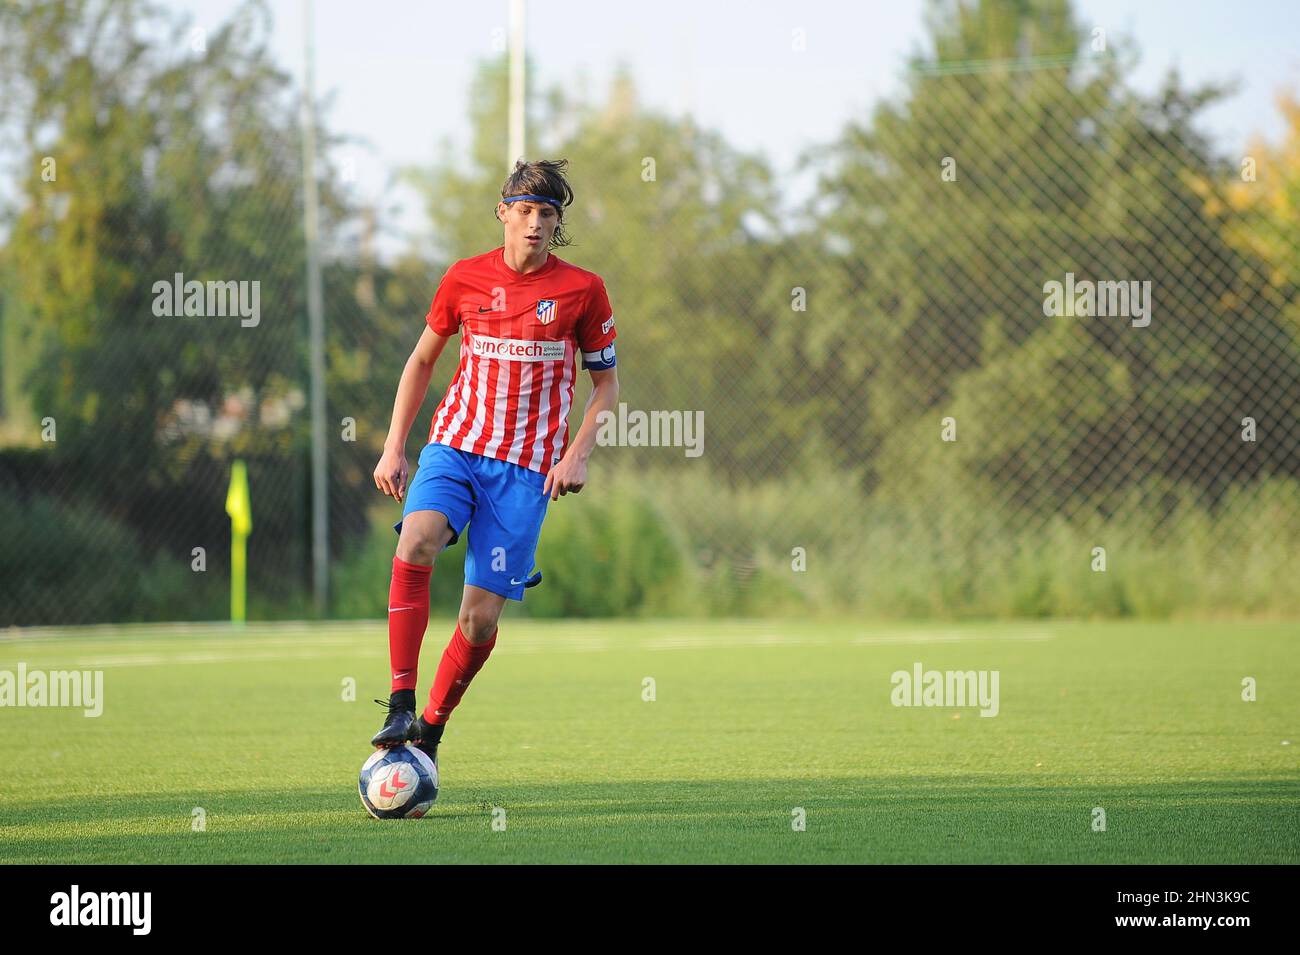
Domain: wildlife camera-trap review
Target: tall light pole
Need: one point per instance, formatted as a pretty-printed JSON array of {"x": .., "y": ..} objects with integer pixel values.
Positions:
[
  {"x": 316, "y": 329},
  {"x": 515, "y": 138}
]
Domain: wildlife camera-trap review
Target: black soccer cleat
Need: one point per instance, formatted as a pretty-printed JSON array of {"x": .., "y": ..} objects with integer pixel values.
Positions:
[
  {"x": 401, "y": 718},
  {"x": 426, "y": 736}
]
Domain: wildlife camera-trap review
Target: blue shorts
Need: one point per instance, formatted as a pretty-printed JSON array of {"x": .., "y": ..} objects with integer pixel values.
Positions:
[{"x": 502, "y": 503}]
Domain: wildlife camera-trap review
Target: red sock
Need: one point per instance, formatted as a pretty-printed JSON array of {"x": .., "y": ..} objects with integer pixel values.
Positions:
[
  {"x": 460, "y": 661},
  {"x": 408, "y": 615}
]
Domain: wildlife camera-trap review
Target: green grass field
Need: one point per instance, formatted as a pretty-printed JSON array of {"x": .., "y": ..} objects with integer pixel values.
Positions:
[{"x": 751, "y": 720}]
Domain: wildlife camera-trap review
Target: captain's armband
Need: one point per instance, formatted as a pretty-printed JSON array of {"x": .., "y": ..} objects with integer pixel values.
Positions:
[{"x": 600, "y": 360}]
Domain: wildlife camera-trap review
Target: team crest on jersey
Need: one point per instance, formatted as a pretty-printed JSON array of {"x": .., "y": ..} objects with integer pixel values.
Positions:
[{"x": 546, "y": 310}]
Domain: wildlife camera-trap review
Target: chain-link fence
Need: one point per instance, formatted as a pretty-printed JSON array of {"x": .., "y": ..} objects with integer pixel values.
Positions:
[{"x": 1030, "y": 347}]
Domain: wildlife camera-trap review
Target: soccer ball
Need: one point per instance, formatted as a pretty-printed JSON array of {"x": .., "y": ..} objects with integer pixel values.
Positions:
[{"x": 398, "y": 783}]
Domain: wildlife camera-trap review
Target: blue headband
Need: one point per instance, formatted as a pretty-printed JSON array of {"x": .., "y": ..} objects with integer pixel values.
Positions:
[{"x": 554, "y": 202}]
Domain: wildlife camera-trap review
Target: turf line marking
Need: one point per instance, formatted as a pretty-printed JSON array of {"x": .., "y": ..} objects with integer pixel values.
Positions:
[
  {"x": 950, "y": 636},
  {"x": 281, "y": 648}
]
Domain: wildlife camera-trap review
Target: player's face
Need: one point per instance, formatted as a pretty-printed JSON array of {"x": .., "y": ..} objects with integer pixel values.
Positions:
[{"x": 529, "y": 226}]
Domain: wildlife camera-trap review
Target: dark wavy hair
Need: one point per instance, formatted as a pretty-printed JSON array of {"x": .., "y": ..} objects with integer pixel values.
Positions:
[{"x": 542, "y": 177}]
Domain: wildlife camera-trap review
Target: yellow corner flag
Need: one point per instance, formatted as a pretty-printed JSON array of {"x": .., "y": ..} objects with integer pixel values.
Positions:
[{"x": 240, "y": 509}]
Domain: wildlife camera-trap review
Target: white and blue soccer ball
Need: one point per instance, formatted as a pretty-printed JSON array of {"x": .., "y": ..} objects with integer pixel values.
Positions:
[{"x": 398, "y": 783}]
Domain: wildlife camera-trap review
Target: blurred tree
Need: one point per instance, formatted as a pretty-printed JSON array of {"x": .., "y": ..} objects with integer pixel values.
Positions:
[
  {"x": 147, "y": 151},
  {"x": 1018, "y": 155}
]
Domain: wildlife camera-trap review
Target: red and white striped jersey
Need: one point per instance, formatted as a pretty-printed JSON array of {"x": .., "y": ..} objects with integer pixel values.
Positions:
[{"x": 520, "y": 339}]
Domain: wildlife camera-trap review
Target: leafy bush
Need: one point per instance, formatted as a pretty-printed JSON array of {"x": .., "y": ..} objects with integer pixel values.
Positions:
[{"x": 90, "y": 568}]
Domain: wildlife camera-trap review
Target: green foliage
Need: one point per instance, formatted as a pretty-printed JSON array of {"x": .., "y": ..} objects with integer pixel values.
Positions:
[
  {"x": 90, "y": 567},
  {"x": 171, "y": 160},
  {"x": 1058, "y": 166},
  {"x": 608, "y": 553},
  {"x": 823, "y": 345},
  {"x": 646, "y": 543}
]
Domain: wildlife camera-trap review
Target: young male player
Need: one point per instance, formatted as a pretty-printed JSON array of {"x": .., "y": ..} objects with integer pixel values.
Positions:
[{"x": 499, "y": 449}]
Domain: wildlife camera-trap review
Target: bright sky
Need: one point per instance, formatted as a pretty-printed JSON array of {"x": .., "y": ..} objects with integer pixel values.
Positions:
[{"x": 399, "y": 70}]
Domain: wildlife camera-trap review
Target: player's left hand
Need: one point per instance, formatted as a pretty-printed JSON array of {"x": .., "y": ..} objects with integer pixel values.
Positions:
[{"x": 569, "y": 475}]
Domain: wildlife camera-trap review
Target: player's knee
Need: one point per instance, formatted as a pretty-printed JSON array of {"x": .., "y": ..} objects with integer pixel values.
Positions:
[
  {"x": 424, "y": 536},
  {"x": 418, "y": 547},
  {"x": 477, "y": 624}
]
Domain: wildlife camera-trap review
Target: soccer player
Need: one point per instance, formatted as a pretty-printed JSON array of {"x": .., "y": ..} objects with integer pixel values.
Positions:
[{"x": 499, "y": 449}]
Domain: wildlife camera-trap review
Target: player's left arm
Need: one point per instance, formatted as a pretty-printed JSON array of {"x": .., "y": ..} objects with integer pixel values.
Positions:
[
  {"x": 595, "y": 334},
  {"x": 570, "y": 472}
]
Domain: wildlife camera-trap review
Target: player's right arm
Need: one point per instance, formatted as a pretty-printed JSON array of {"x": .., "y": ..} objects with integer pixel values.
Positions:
[{"x": 391, "y": 472}]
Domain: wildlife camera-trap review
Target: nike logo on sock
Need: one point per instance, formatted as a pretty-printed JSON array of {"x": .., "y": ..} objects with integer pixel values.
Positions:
[{"x": 395, "y": 609}]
